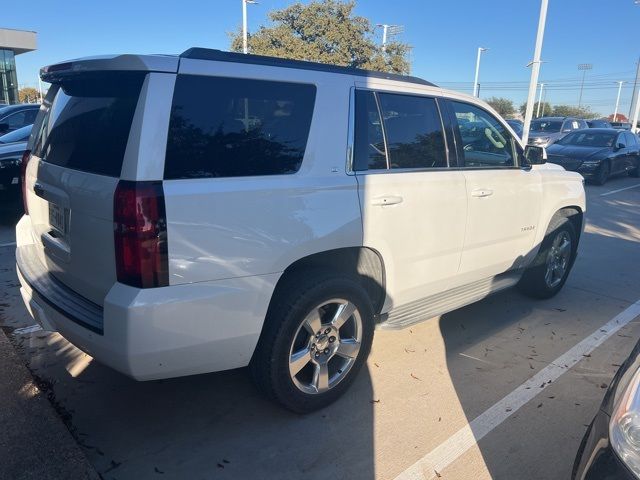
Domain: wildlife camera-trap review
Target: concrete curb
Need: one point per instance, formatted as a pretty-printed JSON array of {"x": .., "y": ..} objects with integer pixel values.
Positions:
[{"x": 34, "y": 442}]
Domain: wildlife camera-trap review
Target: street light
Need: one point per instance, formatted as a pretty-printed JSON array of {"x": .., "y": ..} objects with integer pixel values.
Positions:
[
  {"x": 475, "y": 82},
  {"x": 245, "y": 47},
  {"x": 615, "y": 112},
  {"x": 583, "y": 67},
  {"x": 389, "y": 31},
  {"x": 539, "y": 100},
  {"x": 535, "y": 71}
]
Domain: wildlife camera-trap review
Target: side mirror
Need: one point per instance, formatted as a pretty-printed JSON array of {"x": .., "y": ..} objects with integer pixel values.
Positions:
[
  {"x": 4, "y": 127},
  {"x": 619, "y": 146},
  {"x": 535, "y": 155}
]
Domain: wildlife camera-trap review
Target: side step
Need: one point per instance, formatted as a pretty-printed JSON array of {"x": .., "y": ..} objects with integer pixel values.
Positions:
[{"x": 441, "y": 303}]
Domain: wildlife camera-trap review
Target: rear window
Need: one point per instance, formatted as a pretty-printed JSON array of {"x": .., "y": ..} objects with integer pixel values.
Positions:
[
  {"x": 230, "y": 127},
  {"x": 86, "y": 125}
]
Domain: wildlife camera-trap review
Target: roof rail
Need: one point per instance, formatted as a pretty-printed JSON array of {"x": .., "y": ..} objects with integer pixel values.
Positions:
[{"x": 198, "y": 53}]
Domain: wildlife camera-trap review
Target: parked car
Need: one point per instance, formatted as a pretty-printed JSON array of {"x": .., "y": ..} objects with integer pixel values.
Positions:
[
  {"x": 12, "y": 148},
  {"x": 548, "y": 130},
  {"x": 13, "y": 117},
  {"x": 169, "y": 233},
  {"x": 598, "y": 123},
  {"x": 621, "y": 125},
  {"x": 609, "y": 448},
  {"x": 517, "y": 126},
  {"x": 597, "y": 153}
]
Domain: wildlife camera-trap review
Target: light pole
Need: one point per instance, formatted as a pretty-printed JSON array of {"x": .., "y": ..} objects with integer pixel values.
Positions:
[
  {"x": 584, "y": 67},
  {"x": 389, "y": 31},
  {"x": 535, "y": 71},
  {"x": 615, "y": 112},
  {"x": 634, "y": 123},
  {"x": 539, "y": 100},
  {"x": 475, "y": 82},
  {"x": 245, "y": 47}
]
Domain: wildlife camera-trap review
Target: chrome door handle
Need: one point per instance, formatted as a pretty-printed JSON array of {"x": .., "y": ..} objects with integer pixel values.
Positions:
[
  {"x": 481, "y": 192},
  {"x": 387, "y": 200}
]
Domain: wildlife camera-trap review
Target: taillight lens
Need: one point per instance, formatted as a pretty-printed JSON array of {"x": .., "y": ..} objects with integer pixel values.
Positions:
[
  {"x": 23, "y": 179},
  {"x": 140, "y": 234}
]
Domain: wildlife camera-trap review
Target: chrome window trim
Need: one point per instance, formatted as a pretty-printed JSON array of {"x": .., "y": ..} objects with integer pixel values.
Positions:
[
  {"x": 351, "y": 131},
  {"x": 384, "y": 129}
]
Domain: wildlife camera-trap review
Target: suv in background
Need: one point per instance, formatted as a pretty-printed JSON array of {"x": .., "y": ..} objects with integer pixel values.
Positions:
[
  {"x": 13, "y": 117},
  {"x": 547, "y": 130},
  {"x": 598, "y": 123},
  {"x": 621, "y": 125},
  {"x": 276, "y": 220}
]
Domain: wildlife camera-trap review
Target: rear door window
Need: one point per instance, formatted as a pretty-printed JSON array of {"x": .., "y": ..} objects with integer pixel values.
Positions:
[
  {"x": 232, "y": 127},
  {"x": 86, "y": 125}
]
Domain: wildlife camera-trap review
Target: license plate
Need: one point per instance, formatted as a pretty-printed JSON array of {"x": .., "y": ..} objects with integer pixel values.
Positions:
[{"x": 58, "y": 218}]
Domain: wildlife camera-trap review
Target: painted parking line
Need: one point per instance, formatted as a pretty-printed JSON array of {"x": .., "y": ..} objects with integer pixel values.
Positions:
[
  {"x": 619, "y": 190},
  {"x": 8, "y": 244},
  {"x": 455, "y": 446},
  {"x": 29, "y": 329}
]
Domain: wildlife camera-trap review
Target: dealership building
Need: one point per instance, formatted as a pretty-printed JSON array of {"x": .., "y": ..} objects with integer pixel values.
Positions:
[{"x": 12, "y": 43}]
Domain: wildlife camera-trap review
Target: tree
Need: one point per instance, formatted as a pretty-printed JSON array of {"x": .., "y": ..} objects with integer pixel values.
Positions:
[
  {"x": 325, "y": 31},
  {"x": 571, "y": 111},
  {"x": 28, "y": 95},
  {"x": 545, "y": 108},
  {"x": 619, "y": 118},
  {"x": 502, "y": 105}
]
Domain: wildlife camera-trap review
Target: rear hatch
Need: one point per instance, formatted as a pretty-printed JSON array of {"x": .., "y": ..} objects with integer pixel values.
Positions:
[{"x": 78, "y": 148}]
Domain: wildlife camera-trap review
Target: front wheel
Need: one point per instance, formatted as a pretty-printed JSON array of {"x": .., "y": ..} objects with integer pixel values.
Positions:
[
  {"x": 603, "y": 174},
  {"x": 548, "y": 272},
  {"x": 317, "y": 335}
]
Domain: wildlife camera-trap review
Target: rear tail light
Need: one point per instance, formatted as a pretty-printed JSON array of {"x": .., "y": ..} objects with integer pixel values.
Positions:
[
  {"x": 23, "y": 179},
  {"x": 140, "y": 234}
]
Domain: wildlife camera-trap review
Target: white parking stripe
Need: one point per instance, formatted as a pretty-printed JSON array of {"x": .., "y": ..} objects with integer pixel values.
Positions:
[
  {"x": 29, "y": 329},
  {"x": 9, "y": 244},
  {"x": 456, "y": 445},
  {"x": 619, "y": 190}
]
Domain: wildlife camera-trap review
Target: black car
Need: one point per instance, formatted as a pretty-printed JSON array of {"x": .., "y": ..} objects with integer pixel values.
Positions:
[
  {"x": 598, "y": 123},
  {"x": 610, "y": 448},
  {"x": 13, "y": 117},
  {"x": 12, "y": 147},
  {"x": 516, "y": 125},
  {"x": 597, "y": 153}
]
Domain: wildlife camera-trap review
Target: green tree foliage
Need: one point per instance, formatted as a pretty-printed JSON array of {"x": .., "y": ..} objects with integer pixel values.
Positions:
[
  {"x": 325, "y": 31},
  {"x": 571, "y": 111},
  {"x": 28, "y": 95},
  {"x": 502, "y": 105},
  {"x": 544, "y": 107}
]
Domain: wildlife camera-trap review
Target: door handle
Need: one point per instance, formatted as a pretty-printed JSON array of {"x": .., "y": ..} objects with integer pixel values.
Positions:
[
  {"x": 481, "y": 192},
  {"x": 387, "y": 200}
]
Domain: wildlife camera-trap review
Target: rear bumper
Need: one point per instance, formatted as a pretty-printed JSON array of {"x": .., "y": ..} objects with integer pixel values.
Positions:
[{"x": 159, "y": 332}]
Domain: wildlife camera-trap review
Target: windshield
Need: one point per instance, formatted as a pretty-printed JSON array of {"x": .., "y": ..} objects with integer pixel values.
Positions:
[
  {"x": 546, "y": 126},
  {"x": 20, "y": 135},
  {"x": 589, "y": 139}
]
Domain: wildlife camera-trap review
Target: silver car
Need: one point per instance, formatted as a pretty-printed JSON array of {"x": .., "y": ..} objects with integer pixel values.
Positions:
[{"x": 548, "y": 130}]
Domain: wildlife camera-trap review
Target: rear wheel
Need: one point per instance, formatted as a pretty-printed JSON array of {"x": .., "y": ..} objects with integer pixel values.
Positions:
[
  {"x": 547, "y": 274},
  {"x": 317, "y": 335},
  {"x": 603, "y": 173}
]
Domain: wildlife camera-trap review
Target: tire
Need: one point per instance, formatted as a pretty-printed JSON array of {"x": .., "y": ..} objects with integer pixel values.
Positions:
[
  {"x": 287, "y": 332},
  {"x": 537, "y": 282},
  {"x": 603, "y": 174}
]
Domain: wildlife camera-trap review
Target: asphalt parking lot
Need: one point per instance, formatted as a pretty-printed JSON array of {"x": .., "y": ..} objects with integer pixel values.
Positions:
[{"x": 500, "y": 389}]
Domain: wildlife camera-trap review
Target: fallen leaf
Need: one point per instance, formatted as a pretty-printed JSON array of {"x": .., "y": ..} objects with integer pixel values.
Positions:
[
  {"x": 409, "y": 350},
  {"x": 157, "y": 470},
  {"x": 415, "y": 377},
  {"x": 220, "y": 465},
  {"x": 551, "y": 397},
  {"x": 376, "y": 364},
  {"x": 560, "y": 309},
  {"x": 437, "y": 474},
  {"x": 603, "y": 385},
  {"x": 374, "y": 401},
  {"x": 531, "y": 366},
  {"x": 539, "y": 405}
]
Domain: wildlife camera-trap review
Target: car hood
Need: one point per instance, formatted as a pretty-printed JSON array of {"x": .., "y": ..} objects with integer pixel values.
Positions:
[
  {"x": 9, "y": 148},
  {"x": 578, "y": 153}
]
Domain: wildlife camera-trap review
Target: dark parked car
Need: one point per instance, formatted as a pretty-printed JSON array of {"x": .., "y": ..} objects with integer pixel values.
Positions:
[
  {"x": 12, "y": 147},
  {"x": 516, "y": 125},
  {"x": 597, "y": 153},
  {"x": 598, "y": 123},
  {"x": 621, "y": 125},
  {"x": 548, "y": 130},
  {"x": 610, "y": 448},
  {"x": 13, "y": 117}
]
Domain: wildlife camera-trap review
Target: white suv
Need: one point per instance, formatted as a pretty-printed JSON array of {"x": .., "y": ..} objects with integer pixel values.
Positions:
[{"x": 209, "y": 211}]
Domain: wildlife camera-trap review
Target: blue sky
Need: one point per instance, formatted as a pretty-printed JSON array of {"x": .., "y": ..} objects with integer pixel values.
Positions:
[{"x": 445, "y": 36}]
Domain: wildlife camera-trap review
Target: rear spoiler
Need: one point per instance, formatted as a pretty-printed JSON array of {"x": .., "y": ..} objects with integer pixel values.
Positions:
[{"x": 146, "y": 63}]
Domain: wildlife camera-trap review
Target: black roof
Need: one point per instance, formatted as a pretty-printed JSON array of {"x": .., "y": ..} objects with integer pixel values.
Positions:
[{"x": 220, "y": 56}]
